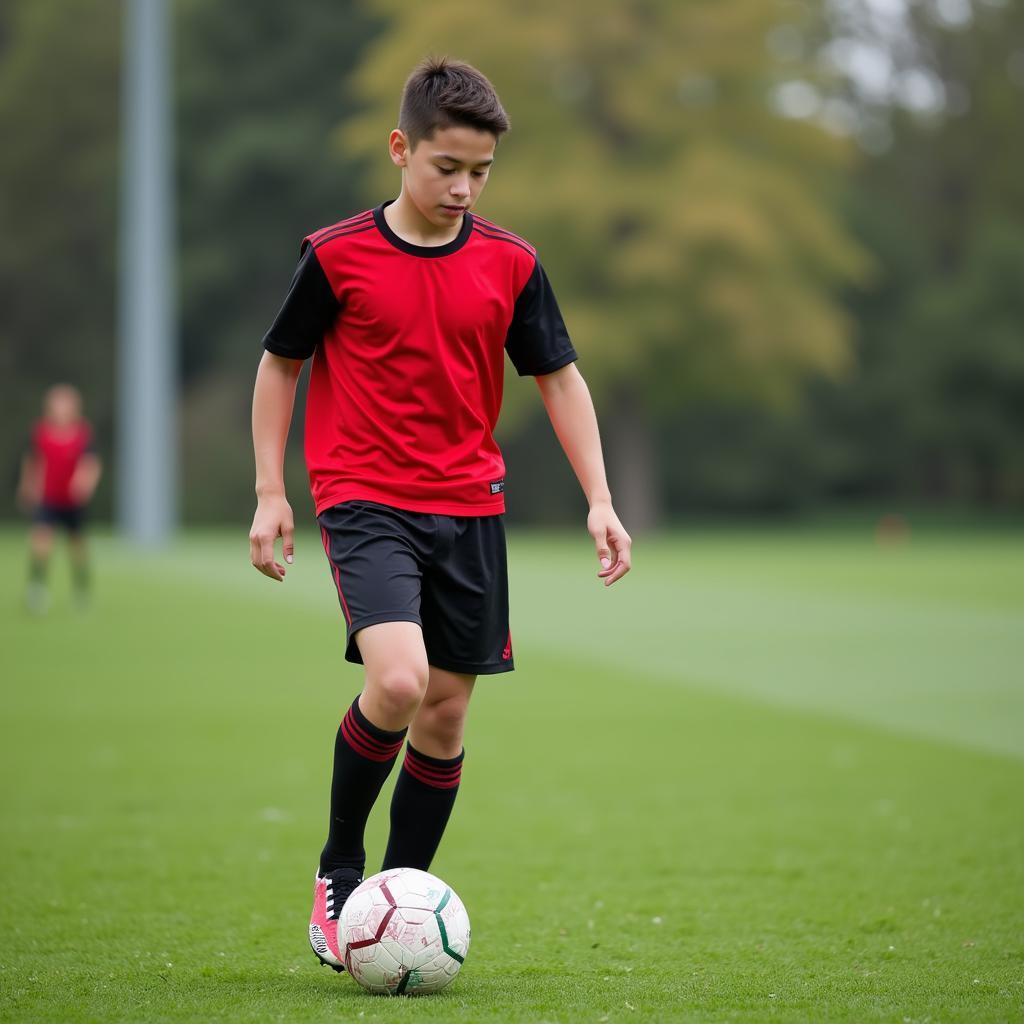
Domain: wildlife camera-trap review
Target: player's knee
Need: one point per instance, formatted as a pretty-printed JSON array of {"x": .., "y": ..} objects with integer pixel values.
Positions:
[
  {"x": 400, "y": 689},
  {"x": 445, "y": 720}
]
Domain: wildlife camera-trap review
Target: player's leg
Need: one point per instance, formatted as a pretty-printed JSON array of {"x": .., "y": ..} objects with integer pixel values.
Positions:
[
  {"x": 40, "y": 542},
  {"x": 365, "y": 748},
  {"x": 428, "y": 782},
  {"x": 371, "y": 735},
  {"x": 79, "y": 550},
  {"x": 373, "y": 553},
  {"x": 465, "y": 624}
]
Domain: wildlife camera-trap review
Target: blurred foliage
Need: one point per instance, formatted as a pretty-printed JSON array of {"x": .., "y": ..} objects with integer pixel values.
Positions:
[
  {"x": 769, "y": 318},
  {"x": 58, "y": 207},
  {"x": 935, "y": 408}
]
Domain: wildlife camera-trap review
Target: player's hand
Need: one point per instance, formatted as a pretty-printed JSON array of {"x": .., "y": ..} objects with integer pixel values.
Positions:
[
  {"x": 30, "y": 492},
  {"x": 612, "y": 542},
  {"x": 80, "y": 490},
  {"x": 273, "y": 519}
]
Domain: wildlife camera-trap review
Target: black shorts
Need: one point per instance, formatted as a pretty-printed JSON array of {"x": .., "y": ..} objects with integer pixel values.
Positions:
[
  {"x": 447, "y": 573},
  {"x": 71, "y": 517}
]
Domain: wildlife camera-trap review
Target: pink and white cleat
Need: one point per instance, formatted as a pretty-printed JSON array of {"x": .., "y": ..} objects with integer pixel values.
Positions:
[{"x": 329, "y": 894}]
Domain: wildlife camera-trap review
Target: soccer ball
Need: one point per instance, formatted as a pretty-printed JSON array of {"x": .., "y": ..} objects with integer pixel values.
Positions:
[{"x": 403, "y": 932}]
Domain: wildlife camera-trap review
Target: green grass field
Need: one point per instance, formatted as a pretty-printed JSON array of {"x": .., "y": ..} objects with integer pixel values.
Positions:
[{"x": 768, "y": 777}]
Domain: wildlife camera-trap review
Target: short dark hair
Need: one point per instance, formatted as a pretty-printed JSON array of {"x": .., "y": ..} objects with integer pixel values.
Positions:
[{"x": 442, "y": 92}]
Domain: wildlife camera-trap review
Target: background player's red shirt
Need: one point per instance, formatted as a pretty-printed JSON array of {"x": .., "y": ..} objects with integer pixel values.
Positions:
[
  {"x": 60, "y": 449},
  {"x": 408, "y": 348}
]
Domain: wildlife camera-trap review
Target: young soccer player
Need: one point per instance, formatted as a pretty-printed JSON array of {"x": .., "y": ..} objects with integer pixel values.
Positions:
[
  {"x": 406, "y": 311},
  {"x": 59, "y": 474}
]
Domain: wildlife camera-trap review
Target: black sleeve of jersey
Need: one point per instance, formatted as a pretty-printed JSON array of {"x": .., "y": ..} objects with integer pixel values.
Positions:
[
  {"x": 537, "y": 341},
  {"x": 308, "y": 311}
]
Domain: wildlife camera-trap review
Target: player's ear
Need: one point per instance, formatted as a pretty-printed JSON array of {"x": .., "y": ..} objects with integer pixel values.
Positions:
[{"x": 399, "y": 148}]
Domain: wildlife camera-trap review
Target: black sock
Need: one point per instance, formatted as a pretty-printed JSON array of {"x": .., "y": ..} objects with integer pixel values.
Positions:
[
  {"x": 423, "y": 801},
  {"x": 363, "y": 756}
]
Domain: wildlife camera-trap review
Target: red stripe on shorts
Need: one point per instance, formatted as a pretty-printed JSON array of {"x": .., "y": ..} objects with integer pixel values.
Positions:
[{"x": 337, "y": 575}]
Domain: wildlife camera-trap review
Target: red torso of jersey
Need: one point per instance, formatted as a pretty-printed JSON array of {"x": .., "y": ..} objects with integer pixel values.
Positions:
[
  {"x": 60, "y": 449},
  {"x": 406, "y": 386}
]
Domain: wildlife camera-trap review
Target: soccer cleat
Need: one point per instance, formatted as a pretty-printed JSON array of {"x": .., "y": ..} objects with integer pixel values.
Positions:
[{"x": 330, "y": 892}]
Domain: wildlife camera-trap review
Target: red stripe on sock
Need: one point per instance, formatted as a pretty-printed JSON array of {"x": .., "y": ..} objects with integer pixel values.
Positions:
[
  {"x": 440, "y": 772},
  {"x": 368, "y": 739},
  {"x": 429, "y": 775},
  {"x": 379, "y": 752},
  {"x": 432, "y": 764},
  {"x": 368, "y": 752},
  {"x": 439, "y": 778},
  {"x": 365, "y": 739}
]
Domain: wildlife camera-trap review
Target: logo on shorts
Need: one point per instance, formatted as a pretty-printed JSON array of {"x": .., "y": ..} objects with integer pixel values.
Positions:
[
  {"x": 497, "y": 486},
  {"x": 507, "y": 653}
]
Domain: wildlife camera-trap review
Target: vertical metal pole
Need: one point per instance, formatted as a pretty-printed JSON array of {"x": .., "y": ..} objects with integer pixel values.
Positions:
[{"x": 147, "y": 385}]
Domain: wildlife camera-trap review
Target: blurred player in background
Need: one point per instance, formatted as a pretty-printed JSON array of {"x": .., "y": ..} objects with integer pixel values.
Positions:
[{"x": 59, "y": 474}]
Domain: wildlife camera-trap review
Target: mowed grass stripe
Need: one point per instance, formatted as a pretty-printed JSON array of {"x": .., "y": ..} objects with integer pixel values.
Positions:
[
  {"x": 626, "y": 849},
  {"x": 921, "y": 639}
]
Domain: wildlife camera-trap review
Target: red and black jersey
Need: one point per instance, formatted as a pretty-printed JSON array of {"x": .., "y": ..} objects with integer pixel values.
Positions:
[
  {"x": 408, "y": 346},
  {"x": 60, "y": 449}
]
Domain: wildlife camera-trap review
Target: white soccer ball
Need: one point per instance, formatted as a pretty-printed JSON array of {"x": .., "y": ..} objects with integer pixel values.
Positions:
[{"x": 403, "y": 932}]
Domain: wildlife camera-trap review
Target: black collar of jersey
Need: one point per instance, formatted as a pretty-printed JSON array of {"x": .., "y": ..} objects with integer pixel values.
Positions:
[{"x": 423, "y": 250}]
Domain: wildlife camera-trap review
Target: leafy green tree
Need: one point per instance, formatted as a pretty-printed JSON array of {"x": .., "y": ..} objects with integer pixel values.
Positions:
[
  {"x": 58, "y": 194},
  {"x": 689, "y": 230},
  {"x": 933, "y": 409}
]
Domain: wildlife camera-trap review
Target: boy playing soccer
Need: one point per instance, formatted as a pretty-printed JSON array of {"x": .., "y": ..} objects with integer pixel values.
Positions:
[{"x": 407, "y": 311}]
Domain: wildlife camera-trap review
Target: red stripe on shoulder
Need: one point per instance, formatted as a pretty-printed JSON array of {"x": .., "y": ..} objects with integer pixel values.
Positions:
[
  {"x": 511, "y": 239},
  {"x": 490, "y": 226},
  {"x": 316, "y": 237},
  {"x": 354, "y": 230}
]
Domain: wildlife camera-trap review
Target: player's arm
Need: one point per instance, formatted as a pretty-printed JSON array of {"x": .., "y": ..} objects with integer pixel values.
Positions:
[
  {"x": 571, "y": 411},
  {"x": 30, "y": 481},
  {"x": 86, "y": 477},
  {"x": 273, "y": 402},
  {"x": 309, "y": 308}
]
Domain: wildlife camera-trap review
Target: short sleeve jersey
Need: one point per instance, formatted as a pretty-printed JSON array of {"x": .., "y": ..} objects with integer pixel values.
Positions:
[
  {"x": 60, "y": 449},
  {"x": 408, "y": 346}
]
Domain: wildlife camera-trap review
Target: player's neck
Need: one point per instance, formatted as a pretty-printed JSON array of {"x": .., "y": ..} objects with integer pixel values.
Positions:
[
  {"x": 411, "y": 226},
  {"x": 65, "y": 427}
]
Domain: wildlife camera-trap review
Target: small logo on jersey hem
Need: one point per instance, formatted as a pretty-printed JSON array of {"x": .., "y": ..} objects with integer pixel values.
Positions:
[
  {"x": 497, "y": 486},
  {"x": 507, "y": 653}
]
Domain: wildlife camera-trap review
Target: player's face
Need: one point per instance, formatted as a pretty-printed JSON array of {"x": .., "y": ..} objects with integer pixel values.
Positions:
[
  {"x": 63, "y": 405},
  {"x": 445, "y": 175}
]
